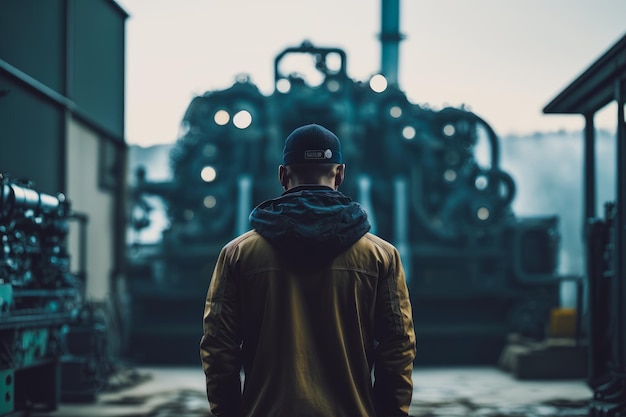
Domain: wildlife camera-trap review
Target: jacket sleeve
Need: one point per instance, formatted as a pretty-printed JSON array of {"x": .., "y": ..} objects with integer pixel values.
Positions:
[
  {"x": 395, "y": 352},
  {"x": 220, "y": 350}
]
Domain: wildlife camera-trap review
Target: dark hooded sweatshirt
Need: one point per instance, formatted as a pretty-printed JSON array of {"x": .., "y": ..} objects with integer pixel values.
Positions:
[
  {"x": 308, "y": 303},
  {"x": 310, "y": 225}
]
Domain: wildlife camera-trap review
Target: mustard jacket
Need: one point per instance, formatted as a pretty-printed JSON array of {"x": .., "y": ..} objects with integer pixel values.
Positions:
[{"x": 308, "y": 332}]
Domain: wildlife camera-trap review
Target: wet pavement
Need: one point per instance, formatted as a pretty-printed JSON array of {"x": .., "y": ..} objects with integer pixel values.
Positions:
[
  {"x": 489, "y": 392},
  {"x": 439, "y": 392}
]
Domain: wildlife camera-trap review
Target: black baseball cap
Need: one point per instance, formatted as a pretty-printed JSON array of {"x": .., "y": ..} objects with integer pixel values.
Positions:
[{"x": 312, "y": 144}]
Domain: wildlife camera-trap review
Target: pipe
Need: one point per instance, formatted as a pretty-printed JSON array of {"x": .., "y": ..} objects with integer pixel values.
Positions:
[
  {"x": 402, "y": 225},
  {"x": 365, "y": 199},
  {"x": 245, "y": 197},
  {"x": 390, "y": 38}
]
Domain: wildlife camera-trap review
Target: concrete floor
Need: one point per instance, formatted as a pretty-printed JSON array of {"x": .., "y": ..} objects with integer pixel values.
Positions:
[{"x": 449, "y": 392}]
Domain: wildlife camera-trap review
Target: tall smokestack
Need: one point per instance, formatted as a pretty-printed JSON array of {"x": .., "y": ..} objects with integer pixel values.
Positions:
[{"x": 390, "y": 38}]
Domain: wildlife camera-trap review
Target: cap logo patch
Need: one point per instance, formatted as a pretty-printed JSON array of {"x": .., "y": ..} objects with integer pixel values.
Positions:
[{"x": 311, "y": 154}]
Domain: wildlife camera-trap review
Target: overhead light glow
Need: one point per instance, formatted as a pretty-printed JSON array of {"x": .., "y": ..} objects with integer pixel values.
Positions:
[
  {"x": 395, "y": 112},
  {"x": 378, "y": 83},
  {"x": 283, "y": 85},
  {"x": 221, "y": 117},
  {"x": 242, "y": 119},
  {"x": 481, "y": 182},
  {"x": 449, "y": 130},
  {"x": 408, "y": 132},
  {"x": 333, "y": 86},
  {"x": 209, "y": 201},
  {"x": 333, "y": 62},
  {"x": 449, "y": 175},
  {"x": 483, "y": 213},
  {"x": 208, "y": 174}
]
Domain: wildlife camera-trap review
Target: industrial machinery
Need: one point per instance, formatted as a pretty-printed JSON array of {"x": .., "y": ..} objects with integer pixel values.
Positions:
[
  {"x": 430, "y": 181},
  {"x": 42, "y": 304}
]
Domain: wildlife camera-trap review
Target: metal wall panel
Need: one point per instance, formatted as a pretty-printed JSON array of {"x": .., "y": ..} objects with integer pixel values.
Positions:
[
  {"x": 32, "y": 39},
  {"x": 97, "y": 62},
  {"x": 31, "y": 131}
]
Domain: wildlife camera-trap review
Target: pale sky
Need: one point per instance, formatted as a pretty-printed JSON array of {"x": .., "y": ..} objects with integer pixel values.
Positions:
[{"x": 503, "y": 59}]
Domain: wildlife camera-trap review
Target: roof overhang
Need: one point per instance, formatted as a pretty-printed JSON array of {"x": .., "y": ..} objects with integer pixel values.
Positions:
[{"x": 594, "y": 88}]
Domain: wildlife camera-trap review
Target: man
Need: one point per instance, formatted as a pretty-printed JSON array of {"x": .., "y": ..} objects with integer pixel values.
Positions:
[{"x": 309, "y": 303}]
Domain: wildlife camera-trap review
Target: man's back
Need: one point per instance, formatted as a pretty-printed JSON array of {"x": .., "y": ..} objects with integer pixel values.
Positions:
[
  {"x": 308, "y": 303},
  {"x": 308, "y": 335}
]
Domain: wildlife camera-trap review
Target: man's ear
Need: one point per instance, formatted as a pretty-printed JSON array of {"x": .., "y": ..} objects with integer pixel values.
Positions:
[
  {"x": 283, "y": 176},
  {"x": 339, "y": 175}
]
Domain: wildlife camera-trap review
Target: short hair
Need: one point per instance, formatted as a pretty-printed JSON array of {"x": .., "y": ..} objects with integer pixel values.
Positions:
[{"x": 311, "y": 173}]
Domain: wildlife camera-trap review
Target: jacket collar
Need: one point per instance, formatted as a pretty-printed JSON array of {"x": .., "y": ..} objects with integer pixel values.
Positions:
[{"x": 308, "y": 187}]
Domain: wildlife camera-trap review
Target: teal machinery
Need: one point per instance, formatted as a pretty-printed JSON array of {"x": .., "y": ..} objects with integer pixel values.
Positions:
[{"x": 476, "y": 272}]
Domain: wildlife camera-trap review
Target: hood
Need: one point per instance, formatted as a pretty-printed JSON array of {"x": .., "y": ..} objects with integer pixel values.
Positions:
[{"x": 310, "y": 225}]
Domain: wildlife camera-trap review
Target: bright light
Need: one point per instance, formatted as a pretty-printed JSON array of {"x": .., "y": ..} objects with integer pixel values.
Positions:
[
  {"x": 333, "y": 86},
  {"x": 221, "y": 117},
  {"x": 333, "y": 62},
  {"x": 449, "y": 175},
  {"x": 448, "y": 130},
  {"x": 208, "y": 174},
  {"x": 408, "y": 132},
  {"x": 283, "y": 85},
  {"x": 483, "y": 213},
  {"x": 209, "y": 201},
  {"x": 481, "y": 182},
  {"x": 395, "y": 112},
  {"x": 378, "y": 83},
  {"x": 242, "y": 119}
]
